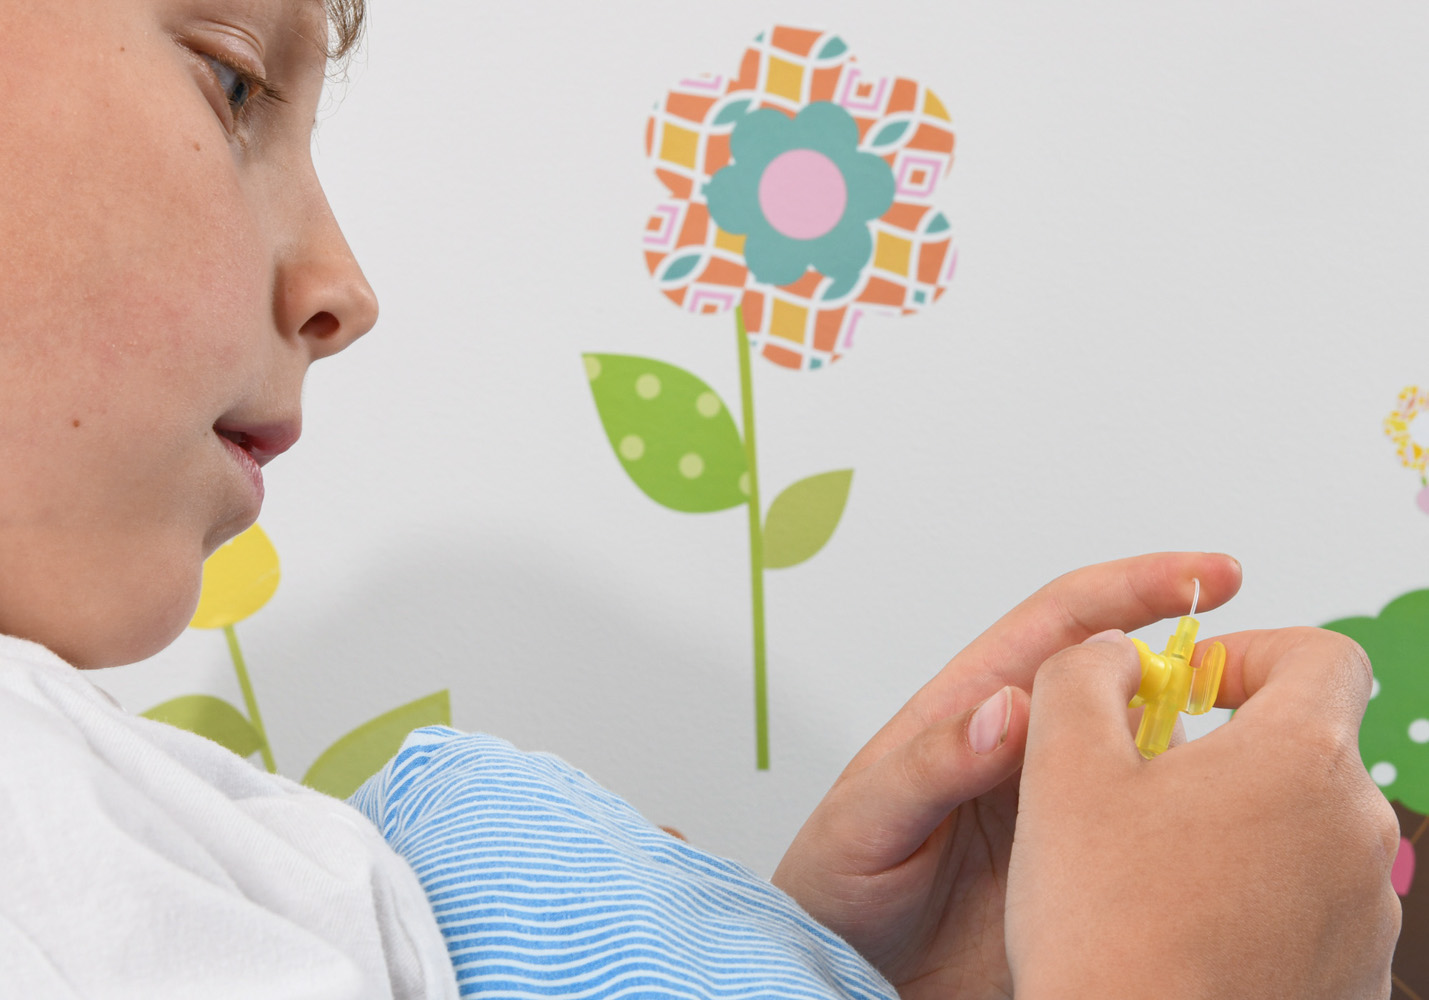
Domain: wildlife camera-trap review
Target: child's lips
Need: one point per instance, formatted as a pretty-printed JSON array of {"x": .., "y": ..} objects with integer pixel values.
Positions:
[
  {"x": 247, "y": 463},
  {"x": 261, "y": 442},
  {"x": 255, "y": 445}
]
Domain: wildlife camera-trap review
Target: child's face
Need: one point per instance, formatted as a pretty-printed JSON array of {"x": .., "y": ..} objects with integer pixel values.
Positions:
[{"x": 169, "y": 267}]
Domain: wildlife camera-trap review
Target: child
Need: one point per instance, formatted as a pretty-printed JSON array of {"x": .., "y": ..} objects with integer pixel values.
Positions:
[{"x": 168, "y": 270}]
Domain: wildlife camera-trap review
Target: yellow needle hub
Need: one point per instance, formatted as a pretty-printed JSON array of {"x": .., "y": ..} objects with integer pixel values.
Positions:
[{"x": 1170, "y": 685}]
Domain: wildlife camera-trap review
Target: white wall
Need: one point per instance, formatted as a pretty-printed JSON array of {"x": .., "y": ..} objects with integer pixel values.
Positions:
[{"x": 1194, "y": 246}]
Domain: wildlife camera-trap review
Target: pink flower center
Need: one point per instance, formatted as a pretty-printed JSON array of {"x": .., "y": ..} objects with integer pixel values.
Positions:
[{"x": 803, "y": 194}]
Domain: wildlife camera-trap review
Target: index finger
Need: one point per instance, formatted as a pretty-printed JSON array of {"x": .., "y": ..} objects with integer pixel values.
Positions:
[{"x": 1125, "y": 594}]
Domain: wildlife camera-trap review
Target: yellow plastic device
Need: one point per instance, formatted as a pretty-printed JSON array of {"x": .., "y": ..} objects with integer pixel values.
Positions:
[{"x": 1170, "y": 685}]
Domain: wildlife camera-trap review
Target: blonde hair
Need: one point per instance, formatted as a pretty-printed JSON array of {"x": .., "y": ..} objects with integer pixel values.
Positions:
[{"x": 345, "y": 21}]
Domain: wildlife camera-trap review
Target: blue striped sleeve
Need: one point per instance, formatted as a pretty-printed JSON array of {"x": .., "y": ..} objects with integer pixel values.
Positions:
[{"x": 547, "y": 885}]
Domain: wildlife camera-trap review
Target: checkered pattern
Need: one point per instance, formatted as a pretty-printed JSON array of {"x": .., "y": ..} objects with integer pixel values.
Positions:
[{"x": 702, "y": 269}]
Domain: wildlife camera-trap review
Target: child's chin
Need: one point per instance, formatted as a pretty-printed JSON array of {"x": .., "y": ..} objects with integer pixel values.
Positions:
[
  {"x": 101, "y": 651},
  {"x": 138, "y": 635}
]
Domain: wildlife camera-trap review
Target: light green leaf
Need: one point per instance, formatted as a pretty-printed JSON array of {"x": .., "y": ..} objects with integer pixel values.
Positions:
[
  {"x": 211, "y": 717},
  {"x": 671, "y": 432},
  {"x": 802, "y": 519},
  {"x": 345, "y": 765}
]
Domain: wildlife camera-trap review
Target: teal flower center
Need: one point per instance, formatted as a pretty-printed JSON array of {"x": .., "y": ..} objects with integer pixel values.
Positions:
[{"x": 803, "y": 194}]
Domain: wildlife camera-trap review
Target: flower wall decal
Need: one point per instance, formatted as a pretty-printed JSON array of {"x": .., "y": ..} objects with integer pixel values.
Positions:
[
  {"x": 1412, "y": 455},
  {"x": 784, "y": 179},
  {"x": 798, "y": 197},
  {"x": 1394, "y": 745},
  {"x": 238, "y": 580},
  {"x": 1394, "y": 733}
]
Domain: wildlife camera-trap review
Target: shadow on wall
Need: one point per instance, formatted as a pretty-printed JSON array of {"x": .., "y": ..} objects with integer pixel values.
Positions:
[{"x": 655, "y": 706}]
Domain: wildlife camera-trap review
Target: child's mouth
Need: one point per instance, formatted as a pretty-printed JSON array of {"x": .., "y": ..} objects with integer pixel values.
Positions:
[
  {"x": 253, "y": 446},
  {"x": 240, "y": 448},
  {"x": 237, "y": 437},
  {"x": 261, "y": 442}
]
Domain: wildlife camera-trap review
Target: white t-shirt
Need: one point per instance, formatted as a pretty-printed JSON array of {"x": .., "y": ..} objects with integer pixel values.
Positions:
[{"x": 139, "y": 860}]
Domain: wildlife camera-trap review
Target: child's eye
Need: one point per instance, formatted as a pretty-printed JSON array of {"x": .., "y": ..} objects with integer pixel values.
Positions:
[{"x": 238, "y": 87}]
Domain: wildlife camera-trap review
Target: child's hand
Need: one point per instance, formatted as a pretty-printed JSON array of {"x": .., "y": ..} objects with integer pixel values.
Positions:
[
  {"x": 1253, "y": 862},
  {"x": 906, "y": 857}
]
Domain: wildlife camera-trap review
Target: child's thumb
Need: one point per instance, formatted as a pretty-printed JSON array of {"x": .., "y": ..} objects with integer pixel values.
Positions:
[
  {"x": 875, "y": 819},
  {"x": 1078, "y": 713}
]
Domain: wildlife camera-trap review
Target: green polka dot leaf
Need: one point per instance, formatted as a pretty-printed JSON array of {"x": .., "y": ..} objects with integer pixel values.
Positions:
[
  {"x": 671, "y": 432},
  {"x": 802, "y": 519},
  {"x": 1397, "y": 642}
]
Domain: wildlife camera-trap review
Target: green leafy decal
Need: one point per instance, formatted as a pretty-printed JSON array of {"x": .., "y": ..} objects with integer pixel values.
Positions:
[
  {"x": 1394, "y": 737},
  {"x": 345, "y": 765},
  {"x": 671, "y": 432},
  {"x": 211, "y": 717},
  {"x": 802, "y": 519}
]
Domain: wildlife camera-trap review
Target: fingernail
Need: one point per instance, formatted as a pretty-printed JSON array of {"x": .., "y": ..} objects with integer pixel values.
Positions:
[
  {"x": 1110, "y": 635},
  {"x": 1226, "y": 555},
  {"x": 990, "y": 722}
]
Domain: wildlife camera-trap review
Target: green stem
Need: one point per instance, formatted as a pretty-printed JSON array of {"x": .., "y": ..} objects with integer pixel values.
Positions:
[
  {"x": 248, "y": 699},
  {"x": 756, "y": 552}
]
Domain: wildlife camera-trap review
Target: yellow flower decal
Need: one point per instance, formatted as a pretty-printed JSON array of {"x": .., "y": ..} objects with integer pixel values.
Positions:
[
  {"x": 1396, "y": 426},
  {"x": 238, "y": 579},
  {"x": 1412, "y": 454}
]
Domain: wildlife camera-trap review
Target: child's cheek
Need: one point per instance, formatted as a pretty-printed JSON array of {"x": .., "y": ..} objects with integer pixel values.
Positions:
[
  {"x": 136, "y": 276},
  {"x": 182, "y": 284}
]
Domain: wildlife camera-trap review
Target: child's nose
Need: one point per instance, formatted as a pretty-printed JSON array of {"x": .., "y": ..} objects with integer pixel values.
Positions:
[{"x": 322, "y": 295}]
